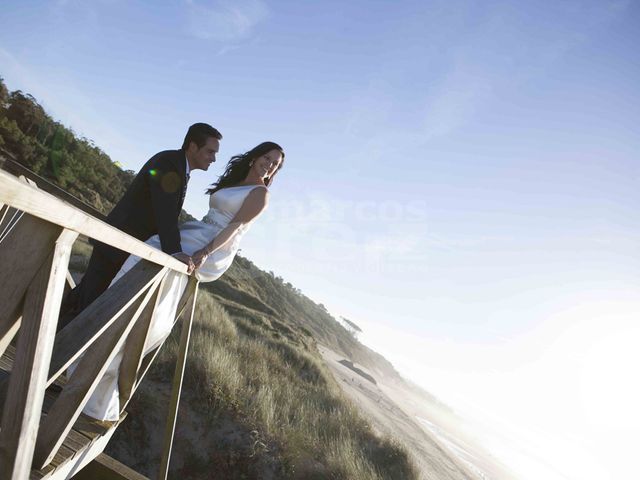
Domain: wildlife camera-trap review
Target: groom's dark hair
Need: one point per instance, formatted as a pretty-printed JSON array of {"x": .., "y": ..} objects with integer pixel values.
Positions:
[{"x": 198, "y": 134}]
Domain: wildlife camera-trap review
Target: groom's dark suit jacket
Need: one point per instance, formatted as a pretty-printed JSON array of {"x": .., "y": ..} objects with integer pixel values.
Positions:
[
  {"x": 150, "y": 205},
  {"x": 153, "y": 202}
]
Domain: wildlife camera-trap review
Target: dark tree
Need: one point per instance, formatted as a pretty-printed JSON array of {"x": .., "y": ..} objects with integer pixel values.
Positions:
[{"x": 53, "y": 151}]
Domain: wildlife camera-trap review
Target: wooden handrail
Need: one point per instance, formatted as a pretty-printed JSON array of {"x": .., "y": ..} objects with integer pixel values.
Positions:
[
  {"x": 35, "y": 256},
  {"x": 21, "y": 412},
  {"x": 84, "y": 330},
  {"x": 11, "y": 165},
  {"x": 178, "y": 376},
  {"x": 91, "y": 367},
  {"x": 43, "y": 205}
]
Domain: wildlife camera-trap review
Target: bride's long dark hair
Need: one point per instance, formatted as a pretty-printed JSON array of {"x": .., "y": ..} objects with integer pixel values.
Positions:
[{"x": 238, "y": 167}]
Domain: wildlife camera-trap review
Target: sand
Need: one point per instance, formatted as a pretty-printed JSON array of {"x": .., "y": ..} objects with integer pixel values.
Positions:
[{"x": 438, "y": 451}]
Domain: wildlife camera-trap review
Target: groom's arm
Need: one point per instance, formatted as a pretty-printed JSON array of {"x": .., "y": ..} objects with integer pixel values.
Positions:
[{"x": 165, "y": 190}]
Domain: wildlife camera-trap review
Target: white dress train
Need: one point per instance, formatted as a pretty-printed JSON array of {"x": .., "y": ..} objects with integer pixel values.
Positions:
[{"x": 104, "y": 403}]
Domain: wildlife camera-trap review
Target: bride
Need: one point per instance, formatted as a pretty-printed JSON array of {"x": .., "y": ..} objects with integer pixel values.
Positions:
[{"x": 238, "y": 197}]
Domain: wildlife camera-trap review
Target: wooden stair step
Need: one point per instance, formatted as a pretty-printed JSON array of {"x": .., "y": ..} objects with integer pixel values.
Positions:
[
  {"x": 105, "y": 467},
  {"x": 84, "y": 434}
]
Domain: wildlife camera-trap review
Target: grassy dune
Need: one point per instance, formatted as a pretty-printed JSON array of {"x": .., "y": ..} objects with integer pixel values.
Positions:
[{"x": 268, "y": 406}]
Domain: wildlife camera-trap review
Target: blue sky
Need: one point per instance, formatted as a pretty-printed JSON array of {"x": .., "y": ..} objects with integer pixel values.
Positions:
[{"x": 461, "y": 179}]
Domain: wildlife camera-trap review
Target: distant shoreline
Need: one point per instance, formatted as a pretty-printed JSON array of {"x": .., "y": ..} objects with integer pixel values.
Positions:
[{"x": 455, "y": 449}]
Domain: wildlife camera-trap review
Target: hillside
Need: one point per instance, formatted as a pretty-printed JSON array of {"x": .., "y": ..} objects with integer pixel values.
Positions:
[
  {"x": 259, "y": 401},
  {"x": 54, "y": 152},
  {"x": 247, "y": 285}
]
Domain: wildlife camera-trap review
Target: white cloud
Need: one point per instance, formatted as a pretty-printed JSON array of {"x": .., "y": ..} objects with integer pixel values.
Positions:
[{"x": 225, "y": 21}]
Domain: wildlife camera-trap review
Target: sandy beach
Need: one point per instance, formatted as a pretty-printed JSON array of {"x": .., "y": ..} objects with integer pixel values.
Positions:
[{"x": 439, "y": 451}]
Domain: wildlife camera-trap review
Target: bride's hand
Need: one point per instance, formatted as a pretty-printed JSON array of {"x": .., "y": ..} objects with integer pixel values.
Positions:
[
  {"x": 199, "y": 257},
  {"x": 187, "y": 260}
]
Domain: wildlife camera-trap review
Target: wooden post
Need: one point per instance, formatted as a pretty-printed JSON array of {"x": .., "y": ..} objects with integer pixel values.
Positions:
[
  {"x": 21, "y": 414},
  {"x": 51, "y": 209},
  {"x": 133, "y": 351},
  {"x": 147, "y": 360},
  {"x": 22, "y": 254},
  {"x": 34, "y": 288},
  {"x": 181, "y": 361},
  {"x": 4, "y": 210},
  {"x": 94, "y": 320},
  {"x": 70, "y": 281},
  {"x": 89, "y": 372}
]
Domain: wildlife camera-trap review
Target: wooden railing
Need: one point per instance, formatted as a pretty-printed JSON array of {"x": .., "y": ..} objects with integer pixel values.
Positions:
[{"x": 37, "y": 231}]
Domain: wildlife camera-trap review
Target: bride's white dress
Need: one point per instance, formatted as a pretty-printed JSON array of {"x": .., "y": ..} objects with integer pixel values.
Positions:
[{"x": 104, "y": 403}]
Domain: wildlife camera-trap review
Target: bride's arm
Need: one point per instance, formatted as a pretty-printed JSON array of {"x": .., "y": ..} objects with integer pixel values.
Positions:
[{"x": 252, "y": 206}]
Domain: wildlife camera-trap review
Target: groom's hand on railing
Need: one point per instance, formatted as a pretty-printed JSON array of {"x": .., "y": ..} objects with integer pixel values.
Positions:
[
  {"x": 187, "y": 260},
  {"x": 200, "y": 257}
]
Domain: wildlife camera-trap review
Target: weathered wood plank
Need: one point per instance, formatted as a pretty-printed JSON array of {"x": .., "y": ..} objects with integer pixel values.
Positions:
[
  {"x": 84, "y": 434},
  {"x": 5, "y": 215},
  {"x": 5, "y": 365},
  {"x": 133, "y": 351},
  {"x": 39, "y": 204},
  {"x": 176, "y": 389},
  {"x": 9, "y": 221},
  {"x": 63, "y": 456},
  {"x": 83, "y": 330},
  {"x": 12, "y": 166},
  {"x": 70, "y": 281},
  {"x": 88, "y": 373},
  {"x": 22, "y": 253},
  {"x": 54, "y": 210},
  {"x": 187, "y": 299},
  {"x": 148, "y": 359},
  {"x": 92, "y": 428},
  {"x": 76, "y": 460},
  {"x": 105, "y": 467},
  {"x": 9, "y": 332},
  {"x": 75, "y": 442},
  {"x": 21, "y": 413},
  {"x": 70, "y": 469}
]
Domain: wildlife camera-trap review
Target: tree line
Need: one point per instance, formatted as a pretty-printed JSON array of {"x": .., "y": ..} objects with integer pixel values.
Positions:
[{"x": 56, "y": 153}]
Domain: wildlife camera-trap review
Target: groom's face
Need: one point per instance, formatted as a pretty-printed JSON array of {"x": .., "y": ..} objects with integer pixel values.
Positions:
[{"x": 201, "y": 158}]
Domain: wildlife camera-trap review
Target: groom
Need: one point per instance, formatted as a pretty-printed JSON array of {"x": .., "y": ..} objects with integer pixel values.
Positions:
[{"x": 150, "y": 205}]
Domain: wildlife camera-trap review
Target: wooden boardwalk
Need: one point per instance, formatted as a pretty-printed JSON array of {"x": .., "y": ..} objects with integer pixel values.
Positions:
[
  {"x": 84, "y": 442},
  {"x": 43, "y": 433}
]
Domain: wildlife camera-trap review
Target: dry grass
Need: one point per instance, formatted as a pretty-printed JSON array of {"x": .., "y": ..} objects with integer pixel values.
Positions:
[
  {"x": 286, "y": 393},
  {"x": 262, "y": 368}
]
